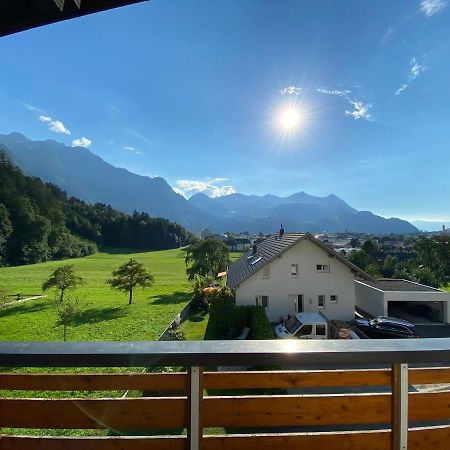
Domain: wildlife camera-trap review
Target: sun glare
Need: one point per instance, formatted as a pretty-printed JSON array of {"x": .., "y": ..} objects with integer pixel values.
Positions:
[{"x": 290, "y": 119}]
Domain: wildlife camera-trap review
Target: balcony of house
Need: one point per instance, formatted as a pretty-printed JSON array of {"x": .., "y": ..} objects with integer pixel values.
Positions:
[{"x": 359, "y": 395}]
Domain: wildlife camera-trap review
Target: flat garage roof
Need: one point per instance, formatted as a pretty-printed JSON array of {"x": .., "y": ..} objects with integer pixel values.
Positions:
[{"x": 390, "y": 285}]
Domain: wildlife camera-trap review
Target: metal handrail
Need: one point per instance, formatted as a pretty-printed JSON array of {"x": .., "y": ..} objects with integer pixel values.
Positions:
[{"x": 213, "y": 353}]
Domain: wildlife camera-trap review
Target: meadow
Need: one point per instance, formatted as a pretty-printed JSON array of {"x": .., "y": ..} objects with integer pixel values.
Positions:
[{"x": 105, "y": 314}]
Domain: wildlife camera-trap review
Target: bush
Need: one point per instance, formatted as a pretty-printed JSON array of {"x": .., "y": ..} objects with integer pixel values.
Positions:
[
  {"x": 221, "y": 309},
  {"x": 242, "y": 317},
  {"x": 260, "y": 325},
  {"x": 176, "y": 335}
]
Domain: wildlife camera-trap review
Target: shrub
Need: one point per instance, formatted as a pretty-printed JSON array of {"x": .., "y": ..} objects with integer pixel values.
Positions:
[
  {"x": 260, "y": 325},
  {"x": 176, "y": 335},
  {"x": 242, "y": 317},
  {"x": 221, "y": 308}
]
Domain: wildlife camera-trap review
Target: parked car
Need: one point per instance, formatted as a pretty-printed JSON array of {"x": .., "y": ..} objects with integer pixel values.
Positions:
[
  {"x": 303, "y": 326},
  {"x": 387, "y": 327}
]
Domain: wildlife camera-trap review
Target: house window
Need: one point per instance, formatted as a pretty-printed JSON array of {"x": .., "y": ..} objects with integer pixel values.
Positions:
[
  {"x": 320, "y": 330},
  {"x": 305, "y": 330},
  {"x": 294, "y": 270},
  {"x": 266, "y": 272},
  {"x": 262, "y": 300},
  {"x": 321, "y": 301},
  {"x": 322, "y": 267},
  {"x": 333, "y": 298}
]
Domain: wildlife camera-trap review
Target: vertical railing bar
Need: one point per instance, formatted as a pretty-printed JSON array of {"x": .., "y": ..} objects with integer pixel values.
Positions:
[
  {"x": 399, "y": 406},
  {"x": 195, "y": 428}
]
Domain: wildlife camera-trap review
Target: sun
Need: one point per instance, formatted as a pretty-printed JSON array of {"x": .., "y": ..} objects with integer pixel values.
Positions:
[{"x": 290, "y": 119}]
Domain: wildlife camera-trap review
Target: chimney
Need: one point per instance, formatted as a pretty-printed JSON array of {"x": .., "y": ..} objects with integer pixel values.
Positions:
[
  {"x": 281, "y": 231},
  {"x": 255, "y": 248}
]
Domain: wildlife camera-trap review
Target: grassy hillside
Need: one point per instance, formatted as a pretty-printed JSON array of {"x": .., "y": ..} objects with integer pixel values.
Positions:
[{"x": 105, "y": 313}]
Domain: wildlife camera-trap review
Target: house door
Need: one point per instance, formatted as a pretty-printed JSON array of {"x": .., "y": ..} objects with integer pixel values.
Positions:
[{"x": 297, "y": 302}]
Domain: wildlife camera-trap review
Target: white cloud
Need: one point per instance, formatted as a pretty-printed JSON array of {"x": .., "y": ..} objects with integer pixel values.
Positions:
[
  {"x": 400, "y": 89},
  {"x": 432, "y": 7},
  {"x": 58, "y": 127},
  {"x": 131, "y": 149},
  {"x": 360, "y": 110},
  {"x": 291, "y": 90},
  {"x": 334, "y": 92},
  {"x": 387, "y": 36},
  {"x": 32, "y": 108},
  {"x": 210, "y": 187},
  {"x": 178, "y": 191},
  {"x": 81, "y": 142},
  {"x": 139, "y": 136},
  {"x": 415, "y": 70},
  {"x": 54, "y": 125}
]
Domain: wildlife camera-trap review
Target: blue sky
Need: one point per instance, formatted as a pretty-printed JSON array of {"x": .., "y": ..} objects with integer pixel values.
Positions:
[{"x": 193, "y": 91}]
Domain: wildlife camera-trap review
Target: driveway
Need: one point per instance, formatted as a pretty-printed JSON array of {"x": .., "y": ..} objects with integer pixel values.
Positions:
[{"x": 433, "y": 331}]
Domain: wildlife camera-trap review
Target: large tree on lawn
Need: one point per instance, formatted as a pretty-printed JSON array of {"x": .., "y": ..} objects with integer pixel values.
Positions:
[
  {"x": 206, "y": 258},
  {"x": 62, "y": 279},
  {"x": 129, "y": 276}
]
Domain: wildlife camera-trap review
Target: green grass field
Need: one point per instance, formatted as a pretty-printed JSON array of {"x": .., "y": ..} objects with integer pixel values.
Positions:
[{"x": 105, "y": 314}]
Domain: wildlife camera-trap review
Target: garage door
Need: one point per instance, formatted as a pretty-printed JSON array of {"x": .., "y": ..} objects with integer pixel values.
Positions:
[{"x": 417, "y": 312}]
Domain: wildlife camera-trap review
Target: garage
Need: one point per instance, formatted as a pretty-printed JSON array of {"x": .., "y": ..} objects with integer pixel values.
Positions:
[
  {"x": 417, "y": 303},
  {"x": 416, "y": 312}
]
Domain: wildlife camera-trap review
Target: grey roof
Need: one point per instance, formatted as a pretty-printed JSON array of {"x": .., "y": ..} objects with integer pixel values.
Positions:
[
  {"x": 19, "y": 15},
  {"x": 389, "y": 285},
  {"x": 271, "y": 248}
]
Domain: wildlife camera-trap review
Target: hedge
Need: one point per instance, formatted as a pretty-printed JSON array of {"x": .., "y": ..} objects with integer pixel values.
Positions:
[{"x": 260, "y": 325}]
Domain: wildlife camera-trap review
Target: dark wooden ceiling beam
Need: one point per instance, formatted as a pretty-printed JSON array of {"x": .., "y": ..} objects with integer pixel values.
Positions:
[{"x": 20, "y": 15}]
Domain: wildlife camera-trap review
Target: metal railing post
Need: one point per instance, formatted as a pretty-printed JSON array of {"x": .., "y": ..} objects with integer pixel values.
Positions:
[
  {"x": 195, "y": 396},
  {"x": 399, "y": 406}
]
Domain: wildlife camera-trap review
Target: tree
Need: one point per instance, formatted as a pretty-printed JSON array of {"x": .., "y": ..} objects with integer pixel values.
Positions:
[
  {"x": 206, "y": 258},
  {"x": 130, "y": 275},
  {"x": 369, "y": 247},
  {"x": 389, "y": 264},
  {"x": 365, "y": 262},
  {"x": 355, "y": 242},
  {"x": 62, "y": 279},
  {"x": 67, "y": 313},
  {"x": 361, "y": 259},
  {"x": 5, "y": 230}
]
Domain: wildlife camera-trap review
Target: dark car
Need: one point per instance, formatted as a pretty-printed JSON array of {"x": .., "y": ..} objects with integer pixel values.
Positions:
[{"x": 386, "y": 328}]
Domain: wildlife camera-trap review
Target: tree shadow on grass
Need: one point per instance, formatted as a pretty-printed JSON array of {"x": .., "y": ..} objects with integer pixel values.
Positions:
[
  {"x": 25, "y": 308},
  {"x": 95, "y": 315},
  {"x": 170, "y": 299},
  {"x": 121, "y": 251}
]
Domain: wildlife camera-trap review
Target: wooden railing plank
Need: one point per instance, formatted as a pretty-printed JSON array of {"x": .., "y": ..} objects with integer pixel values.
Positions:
[
  {"x": 271, "y": 411},
  {"x": 369, "y": 440},
  {"x": 91, "y": 443},
  {"x": 125, "y": 413},
  {"x": 432, "y": 375},
  {"x": 435, "y": 438},
  {"x": 93, "y": 382},
  {"x": 429, "y": 406},
  {"x": 296, "y": 379}
]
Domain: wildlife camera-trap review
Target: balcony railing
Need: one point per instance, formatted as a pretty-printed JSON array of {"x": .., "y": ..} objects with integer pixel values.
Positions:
[{"x": 345, "y": 408}]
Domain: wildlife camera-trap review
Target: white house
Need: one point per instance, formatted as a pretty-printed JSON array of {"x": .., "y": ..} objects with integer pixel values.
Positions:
[
  {"x": 295, "y": 272},
  {"x": 401, "y": 298}
]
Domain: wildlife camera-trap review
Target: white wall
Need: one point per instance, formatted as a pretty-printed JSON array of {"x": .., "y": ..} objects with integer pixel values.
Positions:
[
  {"x": 370, "y": 300},
  {"x": 339, "y": 281},
  {"x": 375, "y": 302}
]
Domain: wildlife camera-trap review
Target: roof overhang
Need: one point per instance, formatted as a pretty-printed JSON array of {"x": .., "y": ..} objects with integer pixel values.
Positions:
[{"x": 20, "y": 15}]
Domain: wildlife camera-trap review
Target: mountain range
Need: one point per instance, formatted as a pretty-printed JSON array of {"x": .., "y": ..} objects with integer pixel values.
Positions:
[{"x": 85, "y": 175}]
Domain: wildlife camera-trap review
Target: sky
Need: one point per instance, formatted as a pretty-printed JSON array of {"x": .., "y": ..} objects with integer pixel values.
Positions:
[{"x": 196, "y": 91}]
